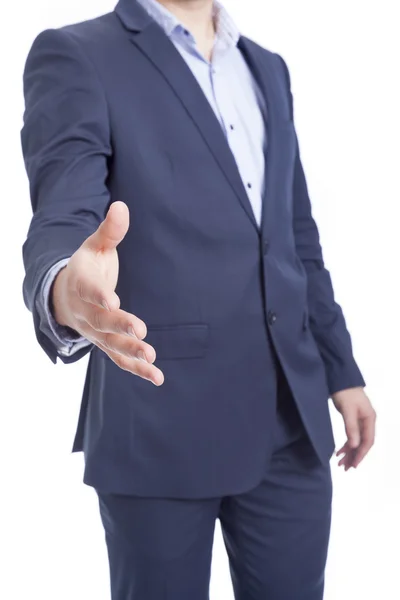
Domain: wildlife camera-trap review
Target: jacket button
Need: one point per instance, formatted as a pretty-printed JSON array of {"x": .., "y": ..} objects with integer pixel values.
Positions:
[
  {"x": 271, "y": 317},
  {"x": 266, "y": 246}
]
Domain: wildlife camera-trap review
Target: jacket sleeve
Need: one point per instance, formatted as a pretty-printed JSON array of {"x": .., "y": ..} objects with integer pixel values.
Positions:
[
  {"x": 327, "y": 322},
  {"x": 66, "y": 147}
]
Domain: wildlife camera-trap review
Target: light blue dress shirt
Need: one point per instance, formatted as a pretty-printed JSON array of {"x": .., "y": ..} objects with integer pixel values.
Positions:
[{"x": 232, "y": 92}]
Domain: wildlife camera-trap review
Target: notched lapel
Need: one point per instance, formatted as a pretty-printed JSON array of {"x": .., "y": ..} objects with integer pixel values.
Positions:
[
  {"x": 270, "y": 78},
  {"x": 165, "y": 57}
]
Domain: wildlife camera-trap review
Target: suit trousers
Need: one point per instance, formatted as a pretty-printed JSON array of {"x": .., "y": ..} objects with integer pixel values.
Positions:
[{"x": 276, "y": 535}]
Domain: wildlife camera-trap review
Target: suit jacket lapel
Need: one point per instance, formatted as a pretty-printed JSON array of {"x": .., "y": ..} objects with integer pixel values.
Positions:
[
  {"x": 158, "y": 48},
  {"x": 164, "y": 56},
  {"x": 266, "y": 78}
]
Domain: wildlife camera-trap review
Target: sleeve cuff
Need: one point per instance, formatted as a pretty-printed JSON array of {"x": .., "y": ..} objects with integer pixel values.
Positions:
[{"x": 348, "y": 378}]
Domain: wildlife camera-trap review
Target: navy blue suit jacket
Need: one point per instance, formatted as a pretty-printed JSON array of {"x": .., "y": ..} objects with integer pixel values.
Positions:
[{"x": 114, "y": 113}]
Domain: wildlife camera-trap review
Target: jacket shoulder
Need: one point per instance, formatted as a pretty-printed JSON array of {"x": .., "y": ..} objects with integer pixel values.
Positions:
[
  {"x": 98, "y": 30},
  {"x": 273, "y": 58},
  {"x": 264, "y": 53},
  {"x": 91, "y": 39}
]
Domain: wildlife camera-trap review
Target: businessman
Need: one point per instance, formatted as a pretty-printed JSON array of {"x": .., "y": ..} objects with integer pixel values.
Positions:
[{"x": 173, "y": 240}]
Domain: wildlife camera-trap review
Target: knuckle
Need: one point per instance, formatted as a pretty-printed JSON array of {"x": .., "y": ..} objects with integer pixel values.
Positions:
[
  {"x": 131, "y": 349},
  {"x": 123, "y": 362},
  {"x": 351, "y": 429},
  {"x": 119, "y": 361},
  {"x": 134, "y": 346}
]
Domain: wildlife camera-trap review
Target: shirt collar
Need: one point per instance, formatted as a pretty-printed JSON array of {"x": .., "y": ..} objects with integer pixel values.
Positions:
[{"x": 227, "y": 33}]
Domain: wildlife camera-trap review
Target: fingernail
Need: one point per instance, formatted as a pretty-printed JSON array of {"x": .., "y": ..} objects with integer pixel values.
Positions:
[
  {"x": 141, "y": 356},
  {"x": 105, "y": 305},
  {"x": 131, "y": 332}
]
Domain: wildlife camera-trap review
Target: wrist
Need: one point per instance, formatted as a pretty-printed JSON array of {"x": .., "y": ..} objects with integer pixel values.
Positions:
[
  {"x": 57, "y": 298},
  {"x": 343, "y": 396}
]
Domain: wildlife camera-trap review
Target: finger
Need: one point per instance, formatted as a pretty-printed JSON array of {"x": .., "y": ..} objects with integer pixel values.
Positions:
[
  {"x": 352, "y": 429},
  {"x": 368, "y": 439},
  {"x": 129, "y": 347},
  {"x": 347, "y": 455},
  {"x": 112, "y": 230},
  {"x": 137, "y": 367},
  {"x": 344, "y": 457},
  {"x": 118, "y": 321},
  {"x": 347, "y": 460},
  {"x": 342, "y": 450},
  {"x": 346, "y": 465}
]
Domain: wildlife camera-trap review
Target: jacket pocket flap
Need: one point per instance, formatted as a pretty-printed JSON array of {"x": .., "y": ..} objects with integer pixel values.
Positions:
[{"x": 178, "y": 341}]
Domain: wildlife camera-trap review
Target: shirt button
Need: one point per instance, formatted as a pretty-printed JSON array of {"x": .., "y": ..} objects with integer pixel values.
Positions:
[
  {"x": 271, "y": 317},
  {"x": 249, "y": 186},
  {"x": 232, "y": 127}
]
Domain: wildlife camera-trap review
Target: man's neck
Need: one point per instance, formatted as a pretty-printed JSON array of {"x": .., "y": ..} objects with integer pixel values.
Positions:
[{"x": 197, "y": 17}]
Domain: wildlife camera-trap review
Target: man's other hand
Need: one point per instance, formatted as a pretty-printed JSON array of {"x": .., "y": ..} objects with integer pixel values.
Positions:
[{"x": 359, "y": 420}]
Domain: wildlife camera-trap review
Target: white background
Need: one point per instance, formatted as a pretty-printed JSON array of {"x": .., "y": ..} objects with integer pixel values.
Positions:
[{"x": 344, "y": 61}]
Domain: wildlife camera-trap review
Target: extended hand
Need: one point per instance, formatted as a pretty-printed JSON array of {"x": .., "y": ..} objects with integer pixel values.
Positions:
[
  {"x": 359, "y": 419},
  {"x": 84, "y": 299}
]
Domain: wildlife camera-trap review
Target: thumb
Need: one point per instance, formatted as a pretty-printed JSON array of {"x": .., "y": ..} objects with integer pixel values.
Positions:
[
  {"x": 112, "y": 230},
  {"x": 352, "y": 429}
]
